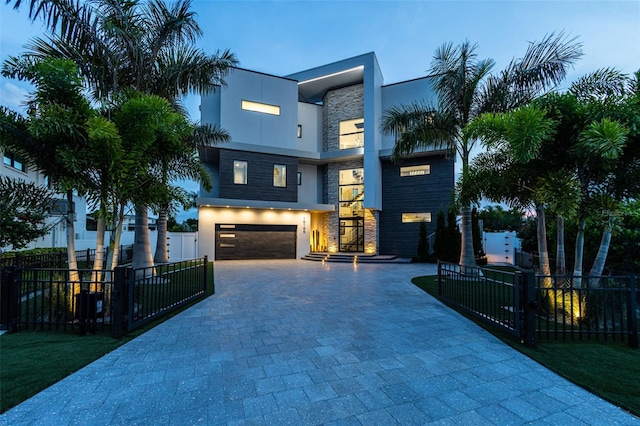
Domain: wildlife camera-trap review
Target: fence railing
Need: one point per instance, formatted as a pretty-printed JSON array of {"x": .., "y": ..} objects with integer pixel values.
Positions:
[
  {"x": 588, "y": 308},
  {"x": 551, "y": 307},
  {"x": 494, "y": 296},
  {"x": 86, "y": 300},
  {"x": 144, "y": 294},
  {"x": 58, "y": 259}
]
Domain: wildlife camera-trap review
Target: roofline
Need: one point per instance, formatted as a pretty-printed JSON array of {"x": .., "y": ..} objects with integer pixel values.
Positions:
[
  {"x": 336, "y": 62},
  {"x": 408, "y": 81},
  {"x": 264, "y": 73}
]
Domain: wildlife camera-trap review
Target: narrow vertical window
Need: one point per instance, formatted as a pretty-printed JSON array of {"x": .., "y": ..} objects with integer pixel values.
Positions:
[
  {"x": 299, "y": 178},
  {"x": 239, "y": 172},
  {"x": 299, "y": 131},
  {"x": 280, "y": 175}
]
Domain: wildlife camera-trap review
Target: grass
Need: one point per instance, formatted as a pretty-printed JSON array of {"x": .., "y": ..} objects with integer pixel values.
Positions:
[
  {"x": 55, "y": 355},
  {"x": 609, "y": 370}
]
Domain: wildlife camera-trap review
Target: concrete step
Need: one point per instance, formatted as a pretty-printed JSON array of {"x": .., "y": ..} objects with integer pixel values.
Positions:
[{"x": 354, "y": 257}]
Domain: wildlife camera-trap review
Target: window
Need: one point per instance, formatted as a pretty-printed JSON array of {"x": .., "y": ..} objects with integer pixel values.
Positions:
[
  {"x": 299, "y": 131},
  {"x": 260, "y": 107},
  {"x": 415, "y": 170},
  {"x": 351, "y": 193},
  {"x": 352, "y": 133},
  {"x": 280, "y": 175},
  {"x": 299, "y": 178},
  {"x": 416, "y": 217},
  {"x": 12, "y": 161},
  {"x": 239, "y": 172}
]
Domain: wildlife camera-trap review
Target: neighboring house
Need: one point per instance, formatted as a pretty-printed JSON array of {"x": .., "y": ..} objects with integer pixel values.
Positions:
[
  {"x": 14, "y": 167},
  {"x": 308, "y": 169}
]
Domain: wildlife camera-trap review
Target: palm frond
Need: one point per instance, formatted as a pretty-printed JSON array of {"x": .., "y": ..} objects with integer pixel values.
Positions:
[{"x": 601, "y": 84}]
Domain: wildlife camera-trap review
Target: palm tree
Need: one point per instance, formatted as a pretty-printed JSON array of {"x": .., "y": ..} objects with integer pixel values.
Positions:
[
  {"x": 53, "y": 137},
  {"x": 513, "y": 170},
  {"x": 179, "y": 160},
  {"x": 465, "y": 89},
  {"x": 144, "y": 46}
]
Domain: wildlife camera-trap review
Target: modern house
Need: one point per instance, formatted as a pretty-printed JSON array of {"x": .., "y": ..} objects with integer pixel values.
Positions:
[{"x": 309, "y": 170}]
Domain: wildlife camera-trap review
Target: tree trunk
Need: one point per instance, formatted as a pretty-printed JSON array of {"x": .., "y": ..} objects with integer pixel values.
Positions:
[
  {"x": 601, "y": 257},
  {"x": 577, "y": 267},
  {"x": 142, "y": 257},
  {"x": 162, "y": 255},
  {"x": 114, "y": 239},
  {"x": 561, "y": 262},
  {"x": 98, "y": 261},
  {"x": 543, "y": 251},
  {"x": 71, "y": 242},
  {"x": 467, "y": 256}
]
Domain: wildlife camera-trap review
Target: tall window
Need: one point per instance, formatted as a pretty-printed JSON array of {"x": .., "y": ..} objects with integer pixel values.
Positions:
[
  {"x": 12, "y": 161},
  {"x": 351, "y": 133},
  {"x": 239, "y": 172},
  {"x": 280, "y": 175},
  {"x": 351, "y": 211}
]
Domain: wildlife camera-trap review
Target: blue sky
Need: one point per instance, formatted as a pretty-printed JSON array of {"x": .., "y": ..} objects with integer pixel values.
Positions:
[{"x": 282, "y": 37}]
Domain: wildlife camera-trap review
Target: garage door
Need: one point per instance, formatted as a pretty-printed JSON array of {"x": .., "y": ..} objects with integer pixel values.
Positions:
[{"x": 255, "y": 241}]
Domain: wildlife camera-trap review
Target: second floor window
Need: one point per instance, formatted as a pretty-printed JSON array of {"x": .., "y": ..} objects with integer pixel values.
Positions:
[
  {"x": 280, "y": 175},
  {"x": 12, "y": 161},
  {"x": 239, "y": 172},
  {"x": 351, "y": 133}
]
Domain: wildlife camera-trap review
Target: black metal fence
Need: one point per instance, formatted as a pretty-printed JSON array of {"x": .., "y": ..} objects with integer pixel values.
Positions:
[
  {"x": 586, "y": 308},
  {"x": 141, "y": 295},
  {"x": 548, "y": 307},
  {"x": 89, "y": 301},
  {"x": 58, "y": 259}
]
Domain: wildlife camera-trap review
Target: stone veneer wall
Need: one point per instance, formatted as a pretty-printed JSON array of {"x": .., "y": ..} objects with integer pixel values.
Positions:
[
  {"x": 339, "y": 105},
  {"x": 371, "y": 220}
]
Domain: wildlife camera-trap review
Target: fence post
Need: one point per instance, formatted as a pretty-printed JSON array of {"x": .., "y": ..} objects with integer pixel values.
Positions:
[
  {"x": 9, "y": 298},
  {"x": 119, "y": 302},
  {"x": 206, "y": 278},
  {"x": 439, "y": 279},
  {"x": 530, "y": 306},
  {"x": 632, "y": 312}
]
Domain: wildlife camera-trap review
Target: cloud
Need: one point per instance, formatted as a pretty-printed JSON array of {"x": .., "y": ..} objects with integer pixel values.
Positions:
[{"x": 13, "y": 96}]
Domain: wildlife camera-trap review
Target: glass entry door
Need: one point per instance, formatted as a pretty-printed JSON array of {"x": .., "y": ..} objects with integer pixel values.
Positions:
[{"x": 352, "y": 235}]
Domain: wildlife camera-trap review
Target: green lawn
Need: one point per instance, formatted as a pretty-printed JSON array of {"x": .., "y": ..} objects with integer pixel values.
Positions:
[
  {"x": 610, "y": 370},
  {"x": 55, "y": 355}
]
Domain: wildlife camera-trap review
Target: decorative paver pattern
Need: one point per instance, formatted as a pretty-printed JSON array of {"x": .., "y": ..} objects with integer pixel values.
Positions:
[{"x": 294, "y": 342}]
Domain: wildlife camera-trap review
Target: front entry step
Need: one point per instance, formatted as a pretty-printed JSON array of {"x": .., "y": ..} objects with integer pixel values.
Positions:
[{"x": 354, "y": 258}]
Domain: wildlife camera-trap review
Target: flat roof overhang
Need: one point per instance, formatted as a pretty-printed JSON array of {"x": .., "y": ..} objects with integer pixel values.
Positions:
[
  {"x": 314, "y": 89},
  {"x": 262, "y": 205}
]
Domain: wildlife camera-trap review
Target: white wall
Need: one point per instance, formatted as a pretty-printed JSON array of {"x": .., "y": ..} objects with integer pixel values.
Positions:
[
  {"x": 257, "y": 128},
  {"x": 405, "y": 93},
  {"x": 209, "y": 216},
  {"x": 372, "y": 81},
  {"x": 310, "y": 117},
  {"x": 308, "y": 191},
  {"x": 500, "y": 246},
  {"x": 182, "y": 245}
]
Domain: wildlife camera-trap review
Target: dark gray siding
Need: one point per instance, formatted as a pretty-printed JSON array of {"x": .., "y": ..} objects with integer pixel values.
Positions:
[
  {"x": 259, "y": 177},
  {"x": 412, "y": 194}
]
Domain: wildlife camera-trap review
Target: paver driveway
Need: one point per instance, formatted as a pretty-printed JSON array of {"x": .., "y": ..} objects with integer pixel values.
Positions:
[{"x": 294, "y": 342}]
